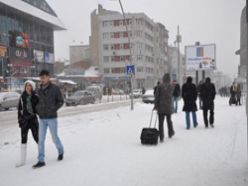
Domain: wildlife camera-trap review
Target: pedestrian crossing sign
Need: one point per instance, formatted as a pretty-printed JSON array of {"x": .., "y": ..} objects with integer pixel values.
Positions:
[{"x": 130, "y": 69}]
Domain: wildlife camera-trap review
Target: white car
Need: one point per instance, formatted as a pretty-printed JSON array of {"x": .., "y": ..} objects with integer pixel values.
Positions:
[
  {"x": 9, "y": 100},
  {"x": 137, "y": 93},
  {"x": 148, "y": 97}
]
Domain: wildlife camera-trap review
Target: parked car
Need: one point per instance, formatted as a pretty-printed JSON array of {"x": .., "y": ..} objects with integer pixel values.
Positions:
[
  {"x": 96, "y": 91},
  {"x": 80, "y": 98},
  {"x": 137, "y": 93},
  {"x": 118, "y": 91},
  {"x": 148, "y": 97},
  {"x": 9, "y": 100}
]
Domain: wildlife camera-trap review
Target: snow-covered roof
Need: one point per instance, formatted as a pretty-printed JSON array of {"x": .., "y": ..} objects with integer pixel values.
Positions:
[
  {"x": 36, "y": 12},
  {"x": 67, "y": 82}
]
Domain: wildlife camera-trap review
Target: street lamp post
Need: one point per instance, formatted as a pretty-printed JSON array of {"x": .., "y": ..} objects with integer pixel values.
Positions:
[
  {"x": 130, "y": 60},
  {"x": 247, "y": 70}
]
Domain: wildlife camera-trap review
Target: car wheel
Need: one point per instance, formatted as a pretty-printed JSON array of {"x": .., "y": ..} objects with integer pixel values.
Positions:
[{"x": 6, "y": 109}]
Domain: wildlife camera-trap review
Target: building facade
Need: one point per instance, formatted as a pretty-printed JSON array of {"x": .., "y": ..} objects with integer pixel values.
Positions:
[
  {"x": 111, "y": 50},
  {"x": 79, "y": 53},
  {"x": 26, "y": 39}
]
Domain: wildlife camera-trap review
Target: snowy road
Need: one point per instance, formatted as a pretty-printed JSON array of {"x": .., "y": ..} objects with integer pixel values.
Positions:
[
  {"x": 9, "y": 118},
  {"x": 103, "y": 149}
]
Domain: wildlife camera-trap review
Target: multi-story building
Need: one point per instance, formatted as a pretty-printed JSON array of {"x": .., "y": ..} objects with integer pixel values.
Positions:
[
  {"x": 79, "y": 53},
  {"x": 242, "y": 71},
  {"x": 111, "y": 50},
  {"x": 26, "y": 39}
]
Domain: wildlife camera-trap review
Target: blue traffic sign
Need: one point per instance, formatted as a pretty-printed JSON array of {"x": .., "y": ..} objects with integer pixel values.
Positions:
[{"x": 130, "y": 69}]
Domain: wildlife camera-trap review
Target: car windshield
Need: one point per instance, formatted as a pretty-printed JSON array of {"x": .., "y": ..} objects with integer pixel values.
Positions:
[{"x": 79, "y": 93}]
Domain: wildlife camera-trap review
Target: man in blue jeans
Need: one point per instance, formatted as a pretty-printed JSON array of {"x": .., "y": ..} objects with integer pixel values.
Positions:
[
  {"x": 50, "y": 100},
  {"x": 189, "y": 95}
]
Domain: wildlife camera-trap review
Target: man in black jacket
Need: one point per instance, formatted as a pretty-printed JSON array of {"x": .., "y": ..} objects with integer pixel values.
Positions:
[
  {"x": 189, "y": 95},
  {"x": 207, "y": 94},
  {"x": 50, "y": 100}
]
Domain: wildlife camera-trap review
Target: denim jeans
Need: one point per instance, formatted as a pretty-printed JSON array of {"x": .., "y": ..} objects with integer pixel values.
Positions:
[
  {"x": 53, "y": 126},
  {"x": 188, "y": 119},
  {"x": 175, "y": 104}
]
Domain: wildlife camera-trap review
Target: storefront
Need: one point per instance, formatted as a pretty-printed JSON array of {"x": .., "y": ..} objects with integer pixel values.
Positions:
[{"x": 26, "y": 39}]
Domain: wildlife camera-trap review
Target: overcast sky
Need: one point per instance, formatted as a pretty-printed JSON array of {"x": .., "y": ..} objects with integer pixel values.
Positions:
[{"x": 207, "y": 21}]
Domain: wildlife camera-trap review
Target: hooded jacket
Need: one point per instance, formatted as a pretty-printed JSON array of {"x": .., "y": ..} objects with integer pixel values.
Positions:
[
  {"x": 23, "y": 114},
  {"x": 163, "y": 96}
]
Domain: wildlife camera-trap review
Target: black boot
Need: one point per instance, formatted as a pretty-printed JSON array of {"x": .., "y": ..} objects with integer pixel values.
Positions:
[
  {"x": 60, "y": 157},
  {"x": 39, "y": 165}
]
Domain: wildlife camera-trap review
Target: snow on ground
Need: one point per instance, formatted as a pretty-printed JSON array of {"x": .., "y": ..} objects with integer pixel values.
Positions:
[{"x": 103, "y": 149}]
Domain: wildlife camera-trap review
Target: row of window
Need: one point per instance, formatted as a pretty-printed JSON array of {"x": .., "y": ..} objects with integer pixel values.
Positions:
[
  {"x": 116, "y": 46},
  {"x": 138, "y": 21},
  {"x": 118, "y": 35},
  {"x": 107, "y": 59}
]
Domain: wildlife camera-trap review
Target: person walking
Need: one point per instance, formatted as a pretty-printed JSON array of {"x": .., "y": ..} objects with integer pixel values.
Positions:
[
  {"x": 50, "y": 100},
  {"x": 164, "y": 107},
  {"x": 207, "y": 95},
  {"x": 189, "y": 95},
  {"x": 156, "y": 88},
  {"x": 27, "y": 118},
  {"x": 176, "y": 95},
  {"x": 239, "y": 94}
]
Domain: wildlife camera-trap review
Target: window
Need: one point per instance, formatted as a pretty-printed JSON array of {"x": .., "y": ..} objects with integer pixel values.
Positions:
[
  {"x": 116, "y": 35},
  {"x": 105, "y": 47},
  {"x": 106, "y": 59},
  {"x": 140, "y": 69},
  {"x": 116, "y": 23},
  {"x": 126, "y": 46},
  {"x": 106, "y": 70},
  {"x": 118, "y": 70}
]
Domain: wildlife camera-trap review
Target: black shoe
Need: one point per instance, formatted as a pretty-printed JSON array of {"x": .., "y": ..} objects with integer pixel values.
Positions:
[
  {"x": 60, "y": 157},
  {"x": 195, "y": 125},
  {"x": 171, "y": 134},
  {"x": 161, "y": 140},
  {"x": 206, "y": 126},
  {"x": 39, "y": 165},
  {"x": 212, "y": 125}
]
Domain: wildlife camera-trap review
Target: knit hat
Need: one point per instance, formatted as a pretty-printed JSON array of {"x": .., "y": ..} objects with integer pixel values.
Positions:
[{"x": 31, "y": 83}]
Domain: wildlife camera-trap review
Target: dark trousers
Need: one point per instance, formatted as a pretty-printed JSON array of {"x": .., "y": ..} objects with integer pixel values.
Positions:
[
  {"x": 161, "y": 118},
  {"x": 211, "y": 117},
  {"x": 31, "y": 124}
]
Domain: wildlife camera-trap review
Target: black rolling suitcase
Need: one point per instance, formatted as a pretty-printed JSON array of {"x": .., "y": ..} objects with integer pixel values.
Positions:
[{"x": 149, "y": 136}]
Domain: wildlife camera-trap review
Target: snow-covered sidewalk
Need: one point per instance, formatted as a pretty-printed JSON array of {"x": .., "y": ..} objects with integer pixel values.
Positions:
[{"x": 103, "y": 149}]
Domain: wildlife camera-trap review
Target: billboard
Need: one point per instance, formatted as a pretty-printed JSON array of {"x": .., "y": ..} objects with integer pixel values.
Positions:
[
  {"x": 49, "y": 57},
  {"x": 200, "y": 57},
  {"x": 38, "y": 56},
  {"x": 19, "y": 39}
]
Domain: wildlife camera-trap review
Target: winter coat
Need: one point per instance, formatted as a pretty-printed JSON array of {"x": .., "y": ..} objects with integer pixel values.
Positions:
[
  {"x": 177, "y": 91},
  {"x": 207, "y": 94},
  {"x": 163, "y": 99},
  {"x": 50, "y": 100},
  {"x": 189, "y": 95},
  {"x": 24, "y": 116}
]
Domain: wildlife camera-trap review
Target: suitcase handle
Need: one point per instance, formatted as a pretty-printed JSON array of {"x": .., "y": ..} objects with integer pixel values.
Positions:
[{"x": 150, "y": 125}]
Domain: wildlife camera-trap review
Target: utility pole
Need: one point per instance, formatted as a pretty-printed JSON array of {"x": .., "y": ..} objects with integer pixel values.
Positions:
[
  {"x": 247, "y": 69},
  {"x": 130, "y": 50},
  {"x": 178, "y": 41}
]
